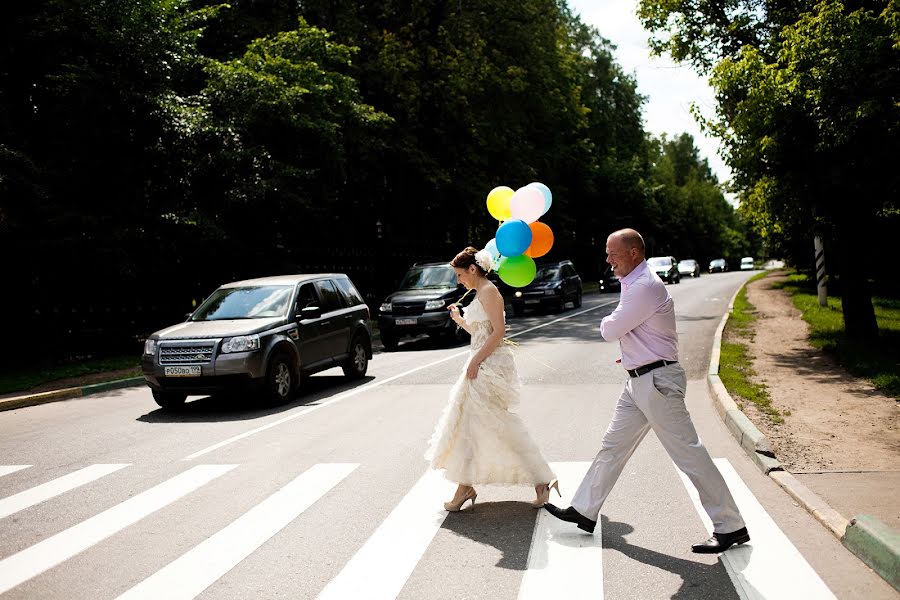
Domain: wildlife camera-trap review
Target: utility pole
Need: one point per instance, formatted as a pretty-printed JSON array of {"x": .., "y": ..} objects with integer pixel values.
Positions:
[{"x": 820, "y": 271}]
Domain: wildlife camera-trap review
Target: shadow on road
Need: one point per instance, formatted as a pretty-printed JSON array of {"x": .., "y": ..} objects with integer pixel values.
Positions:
[
  {"x": 698, "y": 580},
  {"x": 246, "y": 406},
  {"x": 507, "y": 526}
]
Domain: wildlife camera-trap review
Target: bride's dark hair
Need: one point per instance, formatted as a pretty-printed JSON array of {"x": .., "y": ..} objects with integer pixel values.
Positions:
[{"x": 465, "y": 259}]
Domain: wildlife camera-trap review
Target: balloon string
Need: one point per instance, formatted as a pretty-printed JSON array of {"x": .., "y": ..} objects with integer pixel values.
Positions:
[{"x": 528, "y": 354}]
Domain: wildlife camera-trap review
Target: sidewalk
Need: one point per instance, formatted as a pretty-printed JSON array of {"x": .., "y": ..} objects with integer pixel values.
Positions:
[{"x": 846, "y": 477}]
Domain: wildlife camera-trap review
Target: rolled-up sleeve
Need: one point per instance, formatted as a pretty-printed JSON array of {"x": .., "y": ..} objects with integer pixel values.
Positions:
[{"x": 635, "y": 307}]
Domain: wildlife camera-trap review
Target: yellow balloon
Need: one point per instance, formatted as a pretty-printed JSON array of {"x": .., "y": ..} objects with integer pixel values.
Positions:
[{"x": 498, "y": 202}]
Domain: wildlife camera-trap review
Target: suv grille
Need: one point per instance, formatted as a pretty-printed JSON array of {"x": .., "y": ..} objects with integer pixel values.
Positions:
[
  {"x": 403, "y": 309},
  {"x": 186, "y": 353}
]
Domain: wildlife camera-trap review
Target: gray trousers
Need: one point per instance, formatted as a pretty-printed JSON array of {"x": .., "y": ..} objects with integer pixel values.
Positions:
[{"x": 656, "y": 399}]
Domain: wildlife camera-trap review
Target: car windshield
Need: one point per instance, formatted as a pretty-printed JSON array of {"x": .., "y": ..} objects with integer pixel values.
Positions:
[
  {"x": 547, "y": 274},
  {"x": 718, "y": 262},
  {"x": 429, "y": 277},
  {"x": 659, "y": 261},
  {"x": 687, "y": 263},
  {"x": 251, "y": 302}
]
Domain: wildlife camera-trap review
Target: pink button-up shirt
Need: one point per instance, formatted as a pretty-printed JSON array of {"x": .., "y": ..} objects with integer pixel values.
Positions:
[{"x": 644, "y": 320}]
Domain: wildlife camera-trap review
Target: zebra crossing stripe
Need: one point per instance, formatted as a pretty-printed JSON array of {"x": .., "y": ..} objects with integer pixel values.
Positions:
[
  {"x": 7, "y": 469},
  {"x": 45, "y": 555},
  {"x": 780, "y": 571},
  {"x": 60, "y": 485},
  {"x": 200, "y": 567},
  {"x": 379, "y": 570},
  {"x": 563, "y": 561}
]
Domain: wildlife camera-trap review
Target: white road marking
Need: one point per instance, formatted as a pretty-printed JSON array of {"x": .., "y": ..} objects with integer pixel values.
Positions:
[
  {"x": 187, "y": 576},
  {"x": 45, "y": 555},
  {"x": 379, "y": 570},
  {"x": 564, "y": 561},
  {"x": 7, "y": 469},
  {"x": 370, "y": 386},
  {"x": 60, "y": 485},
  {"x": 777, "y": 570}
]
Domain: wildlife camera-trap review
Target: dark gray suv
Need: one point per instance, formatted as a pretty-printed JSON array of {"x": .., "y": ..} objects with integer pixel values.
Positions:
[
  {"x": 420, "y": 304},
  {"x": 264, "y": 333}
]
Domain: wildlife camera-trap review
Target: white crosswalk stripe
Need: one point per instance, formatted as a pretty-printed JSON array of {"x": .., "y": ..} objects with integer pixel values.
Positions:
[
  {"x": 778, "y": 572},
  {"x": 44, "y": 555},
  {"x": 563, "y": 561},
  {"x": 381, "y": 567},
  {"x": 196, "y": 570},
  {"x": 60, "y": 485},
  {"x": 7, "y": 469}
]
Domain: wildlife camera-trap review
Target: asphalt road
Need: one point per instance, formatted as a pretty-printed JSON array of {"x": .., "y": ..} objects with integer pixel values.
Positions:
[{"x": 330, "y": 494}]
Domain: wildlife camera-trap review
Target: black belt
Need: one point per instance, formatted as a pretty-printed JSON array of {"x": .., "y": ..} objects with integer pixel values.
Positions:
[{"x": 647, "y": 368}]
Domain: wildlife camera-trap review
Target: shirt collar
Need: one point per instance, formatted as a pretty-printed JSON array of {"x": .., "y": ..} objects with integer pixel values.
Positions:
[{"x": 637, "y": 272}]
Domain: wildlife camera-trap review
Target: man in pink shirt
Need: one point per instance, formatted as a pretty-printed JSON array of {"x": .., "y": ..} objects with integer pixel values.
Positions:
[{"x": 644, "y": 325}]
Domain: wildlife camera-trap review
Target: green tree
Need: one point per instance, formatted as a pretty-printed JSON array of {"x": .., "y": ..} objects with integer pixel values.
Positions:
[{"x": 808, "y": 111}]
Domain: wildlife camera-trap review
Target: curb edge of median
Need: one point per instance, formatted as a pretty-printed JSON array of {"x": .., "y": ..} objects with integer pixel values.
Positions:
[
  {"x": 67, "y": 393},
  {"x": 874, "y": 543}
]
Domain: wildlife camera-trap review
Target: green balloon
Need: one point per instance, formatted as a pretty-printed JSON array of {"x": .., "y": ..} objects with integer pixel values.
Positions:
[{"x": 517, "y": 271}]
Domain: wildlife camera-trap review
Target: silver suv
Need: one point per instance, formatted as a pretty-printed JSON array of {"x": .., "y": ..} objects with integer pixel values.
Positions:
[{"x": 265, "y": 333}]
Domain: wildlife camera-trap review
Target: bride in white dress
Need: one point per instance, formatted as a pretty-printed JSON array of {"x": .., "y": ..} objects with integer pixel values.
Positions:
[{"x": 477, "y": 439}]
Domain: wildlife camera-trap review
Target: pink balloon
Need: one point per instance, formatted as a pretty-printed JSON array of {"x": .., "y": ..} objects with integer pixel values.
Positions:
[{"x": 527, "y": 204}]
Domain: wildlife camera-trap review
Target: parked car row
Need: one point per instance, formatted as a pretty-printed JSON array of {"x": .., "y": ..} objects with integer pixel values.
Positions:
[{"x": 268, "y": 333}]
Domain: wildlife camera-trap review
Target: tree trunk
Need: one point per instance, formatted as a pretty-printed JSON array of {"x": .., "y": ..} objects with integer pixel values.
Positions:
[{"x": 856, "y": 296}]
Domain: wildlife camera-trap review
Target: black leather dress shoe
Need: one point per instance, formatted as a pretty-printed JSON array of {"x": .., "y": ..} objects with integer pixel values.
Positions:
[
  {"x": 720, "y": 542},
  {"x": 572, "y": 516}
]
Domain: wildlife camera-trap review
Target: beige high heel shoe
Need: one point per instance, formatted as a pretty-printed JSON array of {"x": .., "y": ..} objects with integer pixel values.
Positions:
[
  {"x": 457, "y": 506},
  {"x": 544, "y": 494}
]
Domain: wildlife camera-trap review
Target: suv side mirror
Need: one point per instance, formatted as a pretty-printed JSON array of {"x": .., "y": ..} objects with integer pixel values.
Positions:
[{"x": 310, "y": 312}]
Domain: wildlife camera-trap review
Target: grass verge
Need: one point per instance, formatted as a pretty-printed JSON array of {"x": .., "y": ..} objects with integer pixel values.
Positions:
[
  {"x": 875, "y": 360},
  {"x": 735, "y": 368},
  {"x": 26, "y": 379}
]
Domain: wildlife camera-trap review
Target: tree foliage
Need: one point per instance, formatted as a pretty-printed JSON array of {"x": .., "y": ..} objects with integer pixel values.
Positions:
[
  {"x": 807, "y": 102},
  {"x": 151, "y": 150}
]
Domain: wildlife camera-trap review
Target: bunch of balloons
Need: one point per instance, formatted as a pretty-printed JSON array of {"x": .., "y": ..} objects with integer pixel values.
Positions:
[{"x": 521, "y": 237}]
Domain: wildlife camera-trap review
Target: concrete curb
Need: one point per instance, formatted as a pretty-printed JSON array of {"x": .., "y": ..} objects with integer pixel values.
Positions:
[
  {"x": 873, "y": 542},
  {"x": 877, "y": 545},
  {"x": 68, "y": 393}
]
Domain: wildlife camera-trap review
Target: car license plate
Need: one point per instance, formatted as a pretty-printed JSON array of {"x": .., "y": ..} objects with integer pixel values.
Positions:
[
  {"x": 183, "y": 371},
  {"x": 535, "y": 301},
  {"x": 406, "y": 321}
]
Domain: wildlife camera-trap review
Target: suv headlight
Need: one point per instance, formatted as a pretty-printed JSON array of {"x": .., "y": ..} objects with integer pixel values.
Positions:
[
  {"x": 241, "y": 343},
  {"x": 385, "y": 307},
  {"x": 435, "y": 304},
  {"x": 150, "y": 347}
]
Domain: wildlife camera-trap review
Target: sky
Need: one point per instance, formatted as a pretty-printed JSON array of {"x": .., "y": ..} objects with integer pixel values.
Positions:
[{"x": 670, "y": 89}]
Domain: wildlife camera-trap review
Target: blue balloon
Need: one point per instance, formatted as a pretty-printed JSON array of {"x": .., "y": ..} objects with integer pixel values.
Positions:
[
  {"x": 548, "y": 196},
  {"x": 513, "y": 237}
]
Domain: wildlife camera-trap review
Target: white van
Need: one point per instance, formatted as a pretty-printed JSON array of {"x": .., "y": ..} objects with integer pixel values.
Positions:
[{"x": 747, "y": 263}]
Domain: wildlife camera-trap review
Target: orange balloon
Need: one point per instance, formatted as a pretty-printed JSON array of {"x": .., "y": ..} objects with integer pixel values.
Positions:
[{"x": 541, "y": 240}]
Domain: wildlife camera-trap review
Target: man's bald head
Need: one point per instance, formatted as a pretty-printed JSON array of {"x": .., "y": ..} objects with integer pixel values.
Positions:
[
  {"x": 629, "y": 238},
  {"x": 624, "y": 251}
]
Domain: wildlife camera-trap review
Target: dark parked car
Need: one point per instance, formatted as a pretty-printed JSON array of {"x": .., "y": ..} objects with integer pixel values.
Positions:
[
  {"x": 262, "y": 333},
  {"x": 420, "y": 304},
  {"x": 689, "y": 267},
  {"x": 718, "y": 265},
  {"x": 609, "y": 282},
  {"x": 666, "y": 267},
  {"x": 554, "y": 284}
]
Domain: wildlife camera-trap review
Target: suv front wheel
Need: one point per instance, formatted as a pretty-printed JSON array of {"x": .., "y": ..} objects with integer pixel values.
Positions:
[
  {"x": 280, "y": 379},
  {"x": 169, "y": 399},
  {"x": 358, "y": 362}
]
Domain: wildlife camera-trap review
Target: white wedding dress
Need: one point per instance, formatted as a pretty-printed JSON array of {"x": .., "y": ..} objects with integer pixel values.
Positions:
[{"x": 477, "y": 439}]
